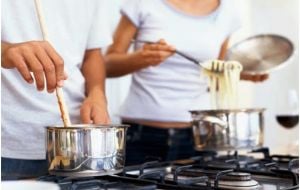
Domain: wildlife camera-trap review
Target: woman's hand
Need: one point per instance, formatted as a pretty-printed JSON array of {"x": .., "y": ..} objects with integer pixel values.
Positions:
[
  {"x": 94, "y": 110},
  {"x": 254, "y": 78},
  {"x": 120, "y": 62},
  {"x": 154, "y": 54},
  {"x": 38, "y": 57}
]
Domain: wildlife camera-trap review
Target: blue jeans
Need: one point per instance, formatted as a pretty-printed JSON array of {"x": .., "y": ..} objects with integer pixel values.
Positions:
[
  {"x": 144, "y": 142},
  {"x": 13, "y": 169}
]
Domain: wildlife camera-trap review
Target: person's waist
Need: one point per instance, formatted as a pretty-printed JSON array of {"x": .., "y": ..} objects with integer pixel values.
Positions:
[
  {"x": 161, "y": 112},
  {"x": 158, "y": 124}
]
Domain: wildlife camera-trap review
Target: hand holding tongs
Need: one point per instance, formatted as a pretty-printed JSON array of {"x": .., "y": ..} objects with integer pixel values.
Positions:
[
  {"x": 178, "y": 52},
  {"x": 214, "y": 66}
]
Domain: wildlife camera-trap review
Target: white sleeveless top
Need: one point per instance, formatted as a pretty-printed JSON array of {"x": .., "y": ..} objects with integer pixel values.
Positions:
[{"x": 168, "y": 91}]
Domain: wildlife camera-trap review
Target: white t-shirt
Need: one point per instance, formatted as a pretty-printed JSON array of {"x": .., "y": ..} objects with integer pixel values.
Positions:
[
  {"x": 73, "y": 26},
  {"x": 168, "y": 91}
]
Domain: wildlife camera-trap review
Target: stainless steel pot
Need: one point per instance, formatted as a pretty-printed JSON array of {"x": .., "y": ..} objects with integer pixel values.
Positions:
[
  {"x": 228, "y": 129},
  {"x": 86, "y": 150}
]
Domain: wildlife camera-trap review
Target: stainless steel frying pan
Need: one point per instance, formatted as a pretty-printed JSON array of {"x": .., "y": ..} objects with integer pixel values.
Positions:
[{"x": 262, "y": 54}]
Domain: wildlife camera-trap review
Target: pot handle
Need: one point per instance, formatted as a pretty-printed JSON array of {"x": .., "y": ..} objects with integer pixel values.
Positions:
[{"x": 213, "y": 120}]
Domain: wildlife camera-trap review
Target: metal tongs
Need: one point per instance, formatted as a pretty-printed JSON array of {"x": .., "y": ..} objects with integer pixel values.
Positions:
[{"x": 219, "y": 66}]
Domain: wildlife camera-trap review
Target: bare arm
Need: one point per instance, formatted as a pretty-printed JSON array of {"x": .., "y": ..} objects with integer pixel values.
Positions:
[
  {"x": 94, "y": 107},
  {"x": 119, "y": 62},
  {"x": 93, "y": 71},
  {"x": 223, "y": 50}
]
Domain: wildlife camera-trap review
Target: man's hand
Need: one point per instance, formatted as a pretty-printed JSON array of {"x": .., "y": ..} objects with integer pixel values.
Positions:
[
  {"x": 254, "y": 78},
  {"x": 94, "y": 110},
  {"x": 38, "y": 57}
]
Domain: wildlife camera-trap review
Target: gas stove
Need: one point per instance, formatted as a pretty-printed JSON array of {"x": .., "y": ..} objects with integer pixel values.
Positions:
[
  {"x": 101, "y": 183},
  {"x": 208, "y": 170}
]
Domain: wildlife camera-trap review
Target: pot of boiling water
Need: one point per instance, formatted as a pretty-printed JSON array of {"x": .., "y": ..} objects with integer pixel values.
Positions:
[{"x": 228, "y": 129}]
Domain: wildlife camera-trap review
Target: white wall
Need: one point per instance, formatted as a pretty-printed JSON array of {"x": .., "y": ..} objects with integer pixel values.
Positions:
[
  {"x": 259, "y": 16},
  {"x": 279, "y": 17}
]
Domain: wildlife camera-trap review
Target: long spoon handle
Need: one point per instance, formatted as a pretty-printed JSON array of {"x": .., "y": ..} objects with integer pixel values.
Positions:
[{"x": 59, "y": 93}]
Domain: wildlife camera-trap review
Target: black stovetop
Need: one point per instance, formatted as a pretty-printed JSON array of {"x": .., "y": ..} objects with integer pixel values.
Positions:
[
  {"x": 100, "y": 183},
  {"x": 205, "y": 171}
]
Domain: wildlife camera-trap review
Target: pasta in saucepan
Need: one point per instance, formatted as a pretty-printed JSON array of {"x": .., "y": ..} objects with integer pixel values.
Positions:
[{"x": 224, "y": 77}]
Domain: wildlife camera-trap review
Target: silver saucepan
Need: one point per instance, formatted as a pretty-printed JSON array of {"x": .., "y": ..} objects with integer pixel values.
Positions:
[
  {"x": 86, "y": 150},
  {"x": 230, "y": 129}
]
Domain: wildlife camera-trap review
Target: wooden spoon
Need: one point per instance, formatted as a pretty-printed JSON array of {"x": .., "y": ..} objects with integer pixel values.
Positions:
[{"x": 59, "y": 93}]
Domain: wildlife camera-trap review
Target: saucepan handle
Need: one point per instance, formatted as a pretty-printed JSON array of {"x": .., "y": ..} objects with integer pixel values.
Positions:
[
  {"x": 210, "y": 119},
  {"x": 214, "y": 120}
]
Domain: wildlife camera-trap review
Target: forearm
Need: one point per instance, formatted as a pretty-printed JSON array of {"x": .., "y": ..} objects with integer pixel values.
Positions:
[
  {"x": 4, "y": 47},
  {"x": 223, "y": 50},
  {"x": 120, "y": 64},
  {"x": 93, "y": 71},
  {"x": 94, "y": 107}
]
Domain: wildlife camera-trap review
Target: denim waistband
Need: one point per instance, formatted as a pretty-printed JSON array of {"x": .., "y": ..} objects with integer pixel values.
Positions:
[{"x": 152, "y": 129}]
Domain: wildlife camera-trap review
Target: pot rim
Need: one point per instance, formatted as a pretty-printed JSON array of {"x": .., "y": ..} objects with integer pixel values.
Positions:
[
  {"x": 213, "y": 111},
  {"x": 87, "y": 126}
]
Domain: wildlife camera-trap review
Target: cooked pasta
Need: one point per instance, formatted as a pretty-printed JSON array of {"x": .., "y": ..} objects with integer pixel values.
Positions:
[{"x": 224, "y": 80}]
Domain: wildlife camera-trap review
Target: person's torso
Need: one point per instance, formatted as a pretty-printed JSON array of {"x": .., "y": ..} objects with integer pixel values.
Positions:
[
  {"x": 166, "y": 92},
  {"x": 25, "y": 111}
]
